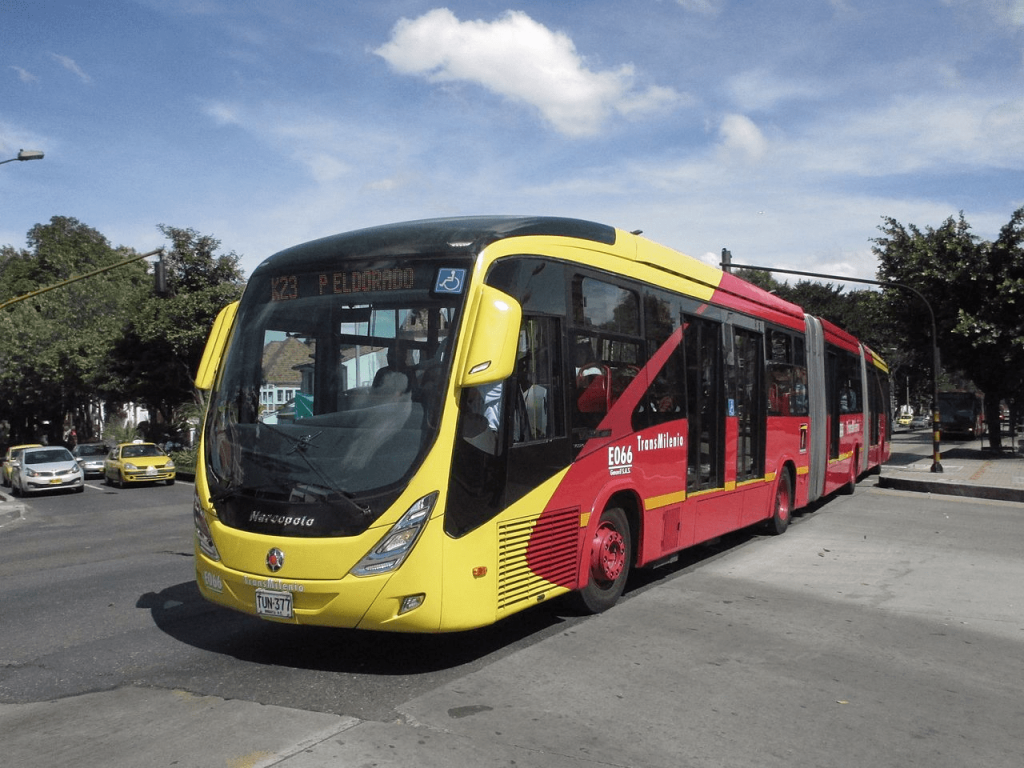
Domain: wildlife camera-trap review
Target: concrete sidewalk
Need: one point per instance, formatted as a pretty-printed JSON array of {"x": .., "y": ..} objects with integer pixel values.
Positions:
[{"x": 969, "y": 468}]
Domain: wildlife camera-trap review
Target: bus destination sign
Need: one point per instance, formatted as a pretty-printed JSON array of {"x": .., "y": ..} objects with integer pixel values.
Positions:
[{"x": 288, "y": 287}]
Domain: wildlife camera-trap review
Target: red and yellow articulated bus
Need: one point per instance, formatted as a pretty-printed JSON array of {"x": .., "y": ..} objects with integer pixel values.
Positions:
[{"x": 430, "y": 426}]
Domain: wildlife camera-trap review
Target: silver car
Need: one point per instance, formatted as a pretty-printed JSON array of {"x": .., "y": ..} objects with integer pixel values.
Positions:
[
  {"x": 90, "y": 458},
  {"x": 46, "y": 469}
]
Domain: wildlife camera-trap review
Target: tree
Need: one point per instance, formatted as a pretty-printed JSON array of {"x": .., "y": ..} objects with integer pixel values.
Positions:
[
  {"x": 56, "y": 342},
  {"x": 975, "y": 289},
  {"x": 162, "y": 343}
]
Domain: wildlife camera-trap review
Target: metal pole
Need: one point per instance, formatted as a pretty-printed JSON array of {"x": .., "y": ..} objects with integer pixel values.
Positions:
[{"x": 936, "y": 429}]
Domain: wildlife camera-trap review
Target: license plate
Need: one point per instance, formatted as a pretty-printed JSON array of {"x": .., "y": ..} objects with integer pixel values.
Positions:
[
  {"x": 151, "y": 470},
  {"x": 276, "y": 604},
  {"x": 56, "y": 481}
]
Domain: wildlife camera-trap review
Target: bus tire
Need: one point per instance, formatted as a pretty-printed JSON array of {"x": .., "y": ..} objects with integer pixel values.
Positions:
[
  {"x": 851, "y": 486},
  {"x": 610, "y": 558},
  {"x": 782, "y": 507}
]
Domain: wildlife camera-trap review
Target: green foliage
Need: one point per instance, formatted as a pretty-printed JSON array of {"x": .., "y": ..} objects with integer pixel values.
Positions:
[
  {"x": 156, "y": 357},
  {"x": 185, "y": 460},
  {"x": 106, "y": 336},
  {"x": 55, "y": 343},
  {"x": 976, "y": 290},
  {"x": 117, "y": 431}
]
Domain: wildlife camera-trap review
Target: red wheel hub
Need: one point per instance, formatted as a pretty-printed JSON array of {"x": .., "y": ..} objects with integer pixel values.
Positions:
[
  {"x": 608, "y": 554},
  {"x": 783, "y": 506}
]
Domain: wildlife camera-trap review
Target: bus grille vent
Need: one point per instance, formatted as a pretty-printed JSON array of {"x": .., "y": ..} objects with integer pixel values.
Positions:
[{"x": 552, "y": 542}]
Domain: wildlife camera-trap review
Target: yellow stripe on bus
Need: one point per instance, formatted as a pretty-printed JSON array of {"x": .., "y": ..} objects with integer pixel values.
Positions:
[{"x": 656, "y": 502}]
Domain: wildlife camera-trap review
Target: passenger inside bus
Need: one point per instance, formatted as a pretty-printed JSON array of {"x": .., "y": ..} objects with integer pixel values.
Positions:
[
  {"x": 481, "y": 418},
  {"x": 848, "y": 399}
]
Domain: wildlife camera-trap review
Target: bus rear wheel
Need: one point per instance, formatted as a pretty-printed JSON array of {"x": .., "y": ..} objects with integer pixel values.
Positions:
[
  {"x": 782, "y": 510},
  {"x": 610, "y": 558},
  {"x": 851, "y": 485}
]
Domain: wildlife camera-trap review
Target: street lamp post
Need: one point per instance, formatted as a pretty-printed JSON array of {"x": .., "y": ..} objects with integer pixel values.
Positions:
[{"x": 25, "y": 154}]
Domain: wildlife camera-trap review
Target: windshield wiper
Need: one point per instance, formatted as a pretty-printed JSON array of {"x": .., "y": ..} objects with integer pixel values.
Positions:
[{"x": 307, "y": 493}]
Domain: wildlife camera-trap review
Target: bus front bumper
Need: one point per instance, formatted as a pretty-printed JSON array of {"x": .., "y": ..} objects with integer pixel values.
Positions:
[{"x": 368, "y": 603}]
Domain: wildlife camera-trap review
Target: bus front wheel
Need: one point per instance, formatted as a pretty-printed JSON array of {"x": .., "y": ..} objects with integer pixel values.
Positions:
[{"x": 610, "y": 558}]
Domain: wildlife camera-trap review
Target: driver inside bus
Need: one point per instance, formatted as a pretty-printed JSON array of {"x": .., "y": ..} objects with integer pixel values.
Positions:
[{"x": 393, "y": 379}]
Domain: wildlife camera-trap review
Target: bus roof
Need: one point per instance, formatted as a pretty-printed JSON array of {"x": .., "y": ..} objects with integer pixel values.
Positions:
[
  {"x": 425, "y": 236},
  {"x": 471, "y": 234}
]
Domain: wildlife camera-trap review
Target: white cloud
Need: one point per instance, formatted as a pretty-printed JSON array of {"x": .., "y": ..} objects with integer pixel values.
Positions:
[
  {"x": 331, "y": 150},
  {"x": 222, "y": 113},
  {"x": 522, "y": 60},
  {"x": 24, "y": 75},
  {"x": 71, "y": 66},
  {"x": 741, "y": 139},
  {"x": 759, "y": 89},
  {"x": 923, "y": 133},
  {"x": 705, "y": 7},
  {"x": 324, "y": 167},
  {"x": 1005, "y": 11}
]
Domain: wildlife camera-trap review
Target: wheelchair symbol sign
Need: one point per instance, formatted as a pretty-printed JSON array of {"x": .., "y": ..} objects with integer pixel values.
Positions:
[{"x": 450, "y": 281}]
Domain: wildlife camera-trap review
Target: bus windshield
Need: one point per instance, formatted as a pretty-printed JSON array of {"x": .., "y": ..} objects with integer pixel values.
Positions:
[{"x": 330, "y": 395}]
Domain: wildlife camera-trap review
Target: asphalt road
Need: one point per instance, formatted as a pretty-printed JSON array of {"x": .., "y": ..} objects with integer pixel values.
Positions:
[
  {"x": 103, "y": 587},
  {"x": 883, "y": 629}
]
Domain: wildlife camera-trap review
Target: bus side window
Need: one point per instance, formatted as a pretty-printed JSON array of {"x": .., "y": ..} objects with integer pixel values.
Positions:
[
  {"x": 665, "y": 398},
  {"x": 850, "y": 394},
  {"x": 781, "y": 389},
  {"x": 592, "y": 382},
  {"x": 481, "y": 416},
  {"x": 604, "y": 369}
]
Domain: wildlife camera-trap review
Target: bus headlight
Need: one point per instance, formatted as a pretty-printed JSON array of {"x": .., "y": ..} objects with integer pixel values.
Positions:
[
  {"x": 391, "y": 551},
  {"x": 203, "y": 533}
]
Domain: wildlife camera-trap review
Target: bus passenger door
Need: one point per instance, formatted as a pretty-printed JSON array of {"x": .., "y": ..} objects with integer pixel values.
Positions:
[
  {"x": 705, "y": 395},
  {"x": 512, "y": 433},
  {"x": 745, "y": 368},
  {"x": 536, "y": 414}
]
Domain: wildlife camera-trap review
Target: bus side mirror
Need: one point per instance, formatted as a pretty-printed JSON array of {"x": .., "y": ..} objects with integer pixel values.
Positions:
[
  {"x": 494, "y": 339},
  {"x": 215, "y": 345}
]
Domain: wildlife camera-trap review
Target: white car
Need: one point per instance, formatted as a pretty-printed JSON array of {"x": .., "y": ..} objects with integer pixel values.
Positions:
[{"x": 47, "y": 468}]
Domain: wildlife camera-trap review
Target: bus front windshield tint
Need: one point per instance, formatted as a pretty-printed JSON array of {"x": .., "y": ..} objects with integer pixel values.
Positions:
[{"x": 327, "y": 402}]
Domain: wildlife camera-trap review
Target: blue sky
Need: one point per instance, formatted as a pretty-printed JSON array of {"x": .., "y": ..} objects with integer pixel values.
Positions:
[{"x": 783, "y": 131}]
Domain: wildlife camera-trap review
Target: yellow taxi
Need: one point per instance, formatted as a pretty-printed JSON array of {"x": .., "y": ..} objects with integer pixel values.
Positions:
[
  {"x": 12, "y": 455},
  {"x": 137, "y": 463}
]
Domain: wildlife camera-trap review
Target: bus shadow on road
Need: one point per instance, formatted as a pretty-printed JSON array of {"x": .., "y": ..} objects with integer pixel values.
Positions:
[{"x": 182, "y": 613}]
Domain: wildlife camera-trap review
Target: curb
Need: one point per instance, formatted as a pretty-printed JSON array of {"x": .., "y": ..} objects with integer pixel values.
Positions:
[
  {"x": 10, "y": 510},
  {"x": 952, "y": 489}
]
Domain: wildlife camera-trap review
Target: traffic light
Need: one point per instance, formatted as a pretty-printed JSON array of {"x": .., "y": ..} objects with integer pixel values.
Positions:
[{"x": 160, "y": 277}]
